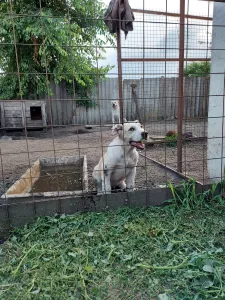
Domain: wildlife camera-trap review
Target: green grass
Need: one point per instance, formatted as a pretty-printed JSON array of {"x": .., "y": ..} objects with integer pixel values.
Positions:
[
  {"x": 171, "y": 141},
  {"x": 185, "y": 195},
  {"x": 154, "y": 253}
]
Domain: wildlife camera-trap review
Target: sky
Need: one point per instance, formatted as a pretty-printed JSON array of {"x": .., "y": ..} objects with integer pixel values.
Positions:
[
  {"x": 196, "y": 7},
  {"x": 158, "y": 35}
]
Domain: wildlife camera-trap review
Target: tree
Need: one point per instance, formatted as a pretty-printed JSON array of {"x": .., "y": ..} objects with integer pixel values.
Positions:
[
  {"x": 196, "y": 69},
  {"x": 57, "y": 41}
]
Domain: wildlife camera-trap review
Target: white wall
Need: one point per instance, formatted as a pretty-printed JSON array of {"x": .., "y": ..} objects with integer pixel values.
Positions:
[{"x": 216, "y": 127}]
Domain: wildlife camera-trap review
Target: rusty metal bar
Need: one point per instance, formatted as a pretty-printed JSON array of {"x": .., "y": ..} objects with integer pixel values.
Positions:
[
  {"x": 162, "y": 13},
  {"x": 119, "y": 63},
  {"x": 162, "y": 59},
  {"x": 181, "y": 88}
]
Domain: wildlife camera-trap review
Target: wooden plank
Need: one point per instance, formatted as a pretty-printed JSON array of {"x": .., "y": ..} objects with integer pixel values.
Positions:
[
  {"x": 34, "y": 122},
  {"x": 61, "y": 103},
  {"x": 127, "y": 108},
  {"x": 10, "y": 104},
  {"x": 193, "y": 112},
  {"x": 147, "y": 103},
  {"x": 161, "y": 112},
  {"x": 13, "y": 122},
  {"x": 23, "y": 114},
  {"x": 30, "y": 103},
  {"x": 174, "y": 97},
  {"x": 197, "y": 96},
  {"x": 2, "y": 114},
  {"x": 43, "y": 112},
  {"x": 186, "y": 98},
  {"x": 168, "y": 100},
  {"x": 153, "y": 104},
  {"x": 52, "y": 112},
  {"x": 13, "y": 113}
]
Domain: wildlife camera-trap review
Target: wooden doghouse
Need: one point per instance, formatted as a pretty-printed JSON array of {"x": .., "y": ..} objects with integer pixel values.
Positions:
[{"x": 20, "y": 114}]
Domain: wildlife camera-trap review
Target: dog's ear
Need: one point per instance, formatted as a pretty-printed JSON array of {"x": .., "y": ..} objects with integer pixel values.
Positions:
[
  {"x": 124, "y": 120},
  {"x": 117, "y": 128},
  {"x": 136, "y": 121}
]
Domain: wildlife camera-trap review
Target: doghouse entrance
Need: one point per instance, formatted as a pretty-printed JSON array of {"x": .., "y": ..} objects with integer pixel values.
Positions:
[{"x": 35, "y": 113}]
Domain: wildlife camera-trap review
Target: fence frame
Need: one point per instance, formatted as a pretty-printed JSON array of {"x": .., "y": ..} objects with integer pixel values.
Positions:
[
  {"x": 17, "y": 212},
  {"x": 181, "y": 61}
]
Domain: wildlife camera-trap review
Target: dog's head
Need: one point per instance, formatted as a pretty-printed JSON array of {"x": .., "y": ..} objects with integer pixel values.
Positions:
[
  {"x": 115, "y": 104},
  {"x": 132, "y": 133}
]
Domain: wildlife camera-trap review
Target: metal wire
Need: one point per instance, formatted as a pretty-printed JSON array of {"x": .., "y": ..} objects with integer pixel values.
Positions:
[
  {"x": 152, "y": 58},
  {"x": 23, "y": 110}
]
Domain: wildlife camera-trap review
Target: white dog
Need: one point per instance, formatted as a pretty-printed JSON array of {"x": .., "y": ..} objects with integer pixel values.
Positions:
[
  {"x": 115, "y": 112},
  {"x": 117, "y": 168}
]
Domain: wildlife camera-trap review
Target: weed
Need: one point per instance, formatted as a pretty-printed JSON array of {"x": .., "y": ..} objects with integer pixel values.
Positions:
[
  {"x": 186, "y": 197},
  {"x": 171, "y": 140},
  {"x": 125, "y": 254}
]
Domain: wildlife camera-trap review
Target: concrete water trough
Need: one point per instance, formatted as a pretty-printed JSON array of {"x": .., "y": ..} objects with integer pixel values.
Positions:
[{"x": 51, "y": 177}]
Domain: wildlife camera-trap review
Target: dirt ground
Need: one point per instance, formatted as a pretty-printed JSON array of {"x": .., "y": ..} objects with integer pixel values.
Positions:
[{"x": 20, "y": 153}]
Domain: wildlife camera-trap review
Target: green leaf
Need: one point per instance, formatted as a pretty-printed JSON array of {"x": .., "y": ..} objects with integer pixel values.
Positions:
[
  {"x": 189, "y": 274},
  {"x": 72, "y": 254},
  {"x": 62, "y": 225},
  {"x": 163, "y": 297},
  {"x": 127, "y": 257},
  {"x": 108, "y": 279},
  {"x": 46, "y": 259},
  {"x": 89, "y": 269},
  {"x": 207, "y": 284},
  {"x": 35, "y": 292},
  {"x": 14, "y": 238},
  {"x": 54, "y": 47},
  {"x": 169, "y": 247},
  {"x": 197, "y": 69},
  {"x": 105, "y": 261},
  {"x": 52, "y": 231},
  {"x": 219, "y": 250},
  {"x": 77, "y": 241},
  {"x": 208, "y": 268}
]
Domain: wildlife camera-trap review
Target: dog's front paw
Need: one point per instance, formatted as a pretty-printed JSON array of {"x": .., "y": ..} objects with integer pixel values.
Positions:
[
  {"x": 104, "y": 193},
  {"x": 131, "y": 189},
  {"x": 100, "y": 193}
]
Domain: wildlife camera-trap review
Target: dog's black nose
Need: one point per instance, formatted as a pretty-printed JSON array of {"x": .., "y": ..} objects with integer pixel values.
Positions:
[{"x": 144, "y": 135}]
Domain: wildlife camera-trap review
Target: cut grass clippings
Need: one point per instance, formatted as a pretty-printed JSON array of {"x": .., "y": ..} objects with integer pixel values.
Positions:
[{"x": 150, "y": 253}]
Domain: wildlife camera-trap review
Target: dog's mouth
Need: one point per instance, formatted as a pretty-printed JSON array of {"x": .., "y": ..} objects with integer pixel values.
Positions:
[{"x": 138, "y": 145}]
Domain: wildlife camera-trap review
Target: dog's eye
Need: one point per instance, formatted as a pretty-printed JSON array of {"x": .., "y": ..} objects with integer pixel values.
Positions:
[
  {"x": 132, "y": 129},
  {"x": 141, "y": 126}
]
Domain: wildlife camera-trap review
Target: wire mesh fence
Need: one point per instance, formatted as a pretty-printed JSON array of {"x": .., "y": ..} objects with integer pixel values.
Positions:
[{"x": 60, "y": 100}]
